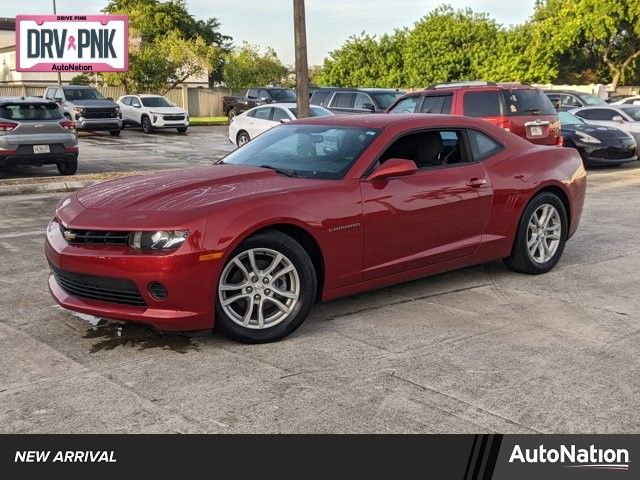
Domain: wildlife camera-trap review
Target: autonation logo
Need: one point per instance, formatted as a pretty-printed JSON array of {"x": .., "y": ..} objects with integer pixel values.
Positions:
[{"x": 590, "y": 458}]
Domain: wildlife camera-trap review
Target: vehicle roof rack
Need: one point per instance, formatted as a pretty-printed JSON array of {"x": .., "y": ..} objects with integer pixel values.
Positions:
[{"x": 463, "y": 83}]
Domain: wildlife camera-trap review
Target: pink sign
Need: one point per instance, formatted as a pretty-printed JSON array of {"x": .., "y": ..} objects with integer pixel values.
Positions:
[{"x": 72, "y": 43}]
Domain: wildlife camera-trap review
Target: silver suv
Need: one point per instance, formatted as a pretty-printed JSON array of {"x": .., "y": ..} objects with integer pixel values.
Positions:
[
  {"x": 87, "y": 107},
  {"x": 34, "y": 131}
]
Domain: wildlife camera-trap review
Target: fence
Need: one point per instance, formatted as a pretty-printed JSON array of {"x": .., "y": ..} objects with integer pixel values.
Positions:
[{"x": 199, "y": 102}]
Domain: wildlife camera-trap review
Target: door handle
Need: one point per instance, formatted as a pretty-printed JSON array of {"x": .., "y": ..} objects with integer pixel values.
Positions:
[{"x": 476, "y": 182}]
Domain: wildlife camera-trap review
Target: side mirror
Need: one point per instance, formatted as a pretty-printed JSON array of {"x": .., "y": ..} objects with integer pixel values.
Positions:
[
  {"x": 265, "y": 99},
  {"x": 137, "y": 105},
  {"x": 110, "y": 99},
  {"x": 58, "y": 100},
  {"x": 285, "y": 120},
  {"x": 394, "y": 167},
  {"x": 369, "y": 106},
  {"x": 618, "y": 118}
]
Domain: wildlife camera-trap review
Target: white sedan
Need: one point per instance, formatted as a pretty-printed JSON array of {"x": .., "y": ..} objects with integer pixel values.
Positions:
[
  {"x": 151, "y": 112},
  {"x": 258, "y": 120},
  {"x": 623, "y": 117}
]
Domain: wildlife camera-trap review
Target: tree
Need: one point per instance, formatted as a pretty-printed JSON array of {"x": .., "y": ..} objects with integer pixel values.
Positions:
[
  {"x": 247, "y": 66},
  {"x": 365, "y": 61},
  {"x": 448, "y": 45},
  {"x": 167, "y": 45},
  {"x": 606, "y": 30}
]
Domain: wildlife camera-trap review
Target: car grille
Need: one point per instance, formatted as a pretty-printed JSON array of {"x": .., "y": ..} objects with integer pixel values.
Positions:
[
  {"x": 173, "y": 118},
  {"x": 615, "y": 153},
  {"x": 106, "y": 289},
  {"x": 75, "y": 237},
  {"x": 100, "y": 113}
]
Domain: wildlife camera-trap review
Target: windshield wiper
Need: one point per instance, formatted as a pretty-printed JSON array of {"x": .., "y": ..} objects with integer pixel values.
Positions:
[{"x": 288, "y": 173}]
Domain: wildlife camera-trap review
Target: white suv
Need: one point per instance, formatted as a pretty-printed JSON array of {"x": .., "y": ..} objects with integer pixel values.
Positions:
[{"x": 151, "y": 112}]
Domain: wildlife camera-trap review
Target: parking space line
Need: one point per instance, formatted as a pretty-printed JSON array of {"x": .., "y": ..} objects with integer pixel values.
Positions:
[{"x": 23, "y": 234}]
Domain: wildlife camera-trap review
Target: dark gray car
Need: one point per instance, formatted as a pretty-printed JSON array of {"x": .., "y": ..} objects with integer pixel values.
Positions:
[
  {"x": 34, "y": 131},
  {"x": 87, "y": 107}
]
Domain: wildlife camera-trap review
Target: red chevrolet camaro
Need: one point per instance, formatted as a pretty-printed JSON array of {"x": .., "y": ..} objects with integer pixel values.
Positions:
[{"x": 312, "y": 210}]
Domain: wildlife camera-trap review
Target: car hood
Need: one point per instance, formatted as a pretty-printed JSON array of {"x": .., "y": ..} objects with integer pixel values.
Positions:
[
  {"x": 166, "y": 110},
  {"x": 93, "y": 103},
  {"x": 187, "y": 189},
  {"x": 597, "y": 131}
]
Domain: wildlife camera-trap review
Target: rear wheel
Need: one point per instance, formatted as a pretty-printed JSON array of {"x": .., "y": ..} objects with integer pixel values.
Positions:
[
  {"x": 232, "y": 114},
  {"x": 146, "y": 125},
  {"x": 541, "y": 236},
  {"x": 69, "y": 167},
  {"x": 266, "y": 289},
  {"x": 243, "y": 137}
]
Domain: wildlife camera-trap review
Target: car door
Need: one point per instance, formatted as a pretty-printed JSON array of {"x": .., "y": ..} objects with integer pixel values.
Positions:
[
  {"x": 342, "y": 102},
  {"x": 363, "y": 103},
  {"x": 434, "y": 215},
  {"x": 260, "y": 121},
  {"x": 125, "y": 109},
  {"x": 137, "y": 109}
]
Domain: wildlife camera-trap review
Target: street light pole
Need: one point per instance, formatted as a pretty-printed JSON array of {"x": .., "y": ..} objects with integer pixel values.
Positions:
[
  {"x": 55, "y": 13},
  {"x": 302, "y": 68}
]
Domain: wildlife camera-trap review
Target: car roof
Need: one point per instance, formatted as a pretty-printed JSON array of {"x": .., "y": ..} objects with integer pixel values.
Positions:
[
  {"x": 355, "y": 89},
  {"x": 25, "y": 100}
]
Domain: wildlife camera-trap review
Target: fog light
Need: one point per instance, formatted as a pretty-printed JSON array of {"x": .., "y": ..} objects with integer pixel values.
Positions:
[{"x": 158, "y": 291}]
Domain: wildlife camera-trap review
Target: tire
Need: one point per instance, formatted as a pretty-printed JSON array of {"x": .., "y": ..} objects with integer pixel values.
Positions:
[
  {"x": 231, "y": 114},
  {"x": 299, "y": 283},
  {"x": 182, "y": 129},
  {"x": 68, "y": 168},
  {"x": 146, "y": 125},
  {"x": 114, "y": 133},
  {"x": 242, "y": 138},
  {"x": 522, "y": 259}
]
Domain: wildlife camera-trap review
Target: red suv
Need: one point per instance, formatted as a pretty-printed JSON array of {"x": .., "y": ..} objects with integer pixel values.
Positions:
[{"x": 521, "y": 109}]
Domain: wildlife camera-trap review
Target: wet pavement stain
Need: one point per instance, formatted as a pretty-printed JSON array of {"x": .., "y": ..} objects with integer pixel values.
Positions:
[{"x": 115, "y": 335}]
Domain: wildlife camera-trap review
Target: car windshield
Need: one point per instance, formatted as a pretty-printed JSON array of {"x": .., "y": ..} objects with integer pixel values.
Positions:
[
  {"x": 82, "y": 94},
  {"x": 589, "y": 99},
  {"x": 314, "y": 111},
  {"x": 633, "y": 112},
  {"x": 307, "y": 151},
  {"x": 30, "y": 111},
  {"x": 528, "y": 102},
  {"x": 156, "y": 102},
  {"x": 283, "y": 95},
  {"x": 567, "y": 118},
  {"x": 385, "y": 99}
]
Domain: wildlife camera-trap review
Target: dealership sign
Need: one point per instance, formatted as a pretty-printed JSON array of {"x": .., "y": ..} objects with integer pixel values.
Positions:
[{"x": 72, "y": 43}]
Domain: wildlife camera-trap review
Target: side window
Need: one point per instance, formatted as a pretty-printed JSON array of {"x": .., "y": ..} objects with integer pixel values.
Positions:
[
  {"x": 264, "y": 94},
  {"x": 252, "y": 93},
  {"x": 482, "y": 104},
  {"x": 602, "y": 114},
  {"x": 279, "y": 114},
  {"x": 435, "y": 104},
  {"x": 583, "y": 114},
  {"x": 343, "y": 100},
  {"x": 49, "y": 93},
  {"x": 446, "y": 105},
  {"x": 432, "y": 148},
  {"x": 263, "y": 113},
  {"x": 58, "y": 93},
  {"x": 481, "y": 145},
  {"x": 361, "y": 99},
  {"x": 570, "y": 101},
  {"x": 406, "y": 105},
  {"x": 318, "y": 98},
  {"x": 127, "y": 100},
  {"x": 135, "y": 102}
]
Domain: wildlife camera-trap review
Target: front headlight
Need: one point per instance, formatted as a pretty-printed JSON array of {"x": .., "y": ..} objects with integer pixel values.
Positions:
[
  {"x": 586, "y": 138},
  {"x": 159, "y": 240}
]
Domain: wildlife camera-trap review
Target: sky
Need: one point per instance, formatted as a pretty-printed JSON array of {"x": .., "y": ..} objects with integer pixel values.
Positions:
[{"x": 270, "y": 22}]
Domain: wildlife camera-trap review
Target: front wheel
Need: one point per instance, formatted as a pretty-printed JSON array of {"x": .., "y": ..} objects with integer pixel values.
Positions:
[
  {"x": 182, "y": 129},
  {"x": 266, "y": 289},
  {"x": 243, "y": 138},
  {"x": 114, "y": 133},
  {"x": 146, "y": 125},
  {"x": 541, "y": 236}
]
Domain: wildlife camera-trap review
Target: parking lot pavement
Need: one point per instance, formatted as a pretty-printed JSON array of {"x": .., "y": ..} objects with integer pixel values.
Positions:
[
  {"x": 135, "y": 150},
  {"x": 476, "y": 350}
]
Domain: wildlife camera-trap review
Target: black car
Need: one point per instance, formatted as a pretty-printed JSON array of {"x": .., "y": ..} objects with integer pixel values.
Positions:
[
  {"x": 597, "y": 145},
  {"x": 355, "y": 100},
  {"x": 565, "y": 100}
]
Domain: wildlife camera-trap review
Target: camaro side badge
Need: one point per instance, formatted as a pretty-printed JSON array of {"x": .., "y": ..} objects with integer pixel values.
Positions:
[{"x": 344, "y": 227}]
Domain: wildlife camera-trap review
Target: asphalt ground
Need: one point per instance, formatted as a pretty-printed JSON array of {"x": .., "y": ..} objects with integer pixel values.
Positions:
[{"x": 476, "y": 350}]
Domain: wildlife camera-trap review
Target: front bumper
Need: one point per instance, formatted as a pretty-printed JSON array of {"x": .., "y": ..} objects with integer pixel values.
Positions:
[
  {"x": 98, "y": 123},
  {"x": 602, "y": 155},
  {"x": 190, "y": 283},
  {"x": 159, "y": 121}
]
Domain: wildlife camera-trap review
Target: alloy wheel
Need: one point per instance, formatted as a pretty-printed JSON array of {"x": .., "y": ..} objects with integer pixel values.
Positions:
[
  {"x": 544, "y": 233},
  {"x": 259, "y": 288}
]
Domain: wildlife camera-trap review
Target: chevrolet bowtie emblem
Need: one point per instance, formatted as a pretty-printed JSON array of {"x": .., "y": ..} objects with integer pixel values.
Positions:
[{"x": 39, "y": 125}]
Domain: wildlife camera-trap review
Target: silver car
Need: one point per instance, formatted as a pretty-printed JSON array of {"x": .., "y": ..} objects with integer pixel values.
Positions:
[
  {"x": 623, "y": 117},
  {"x": 34, "y": 131}
]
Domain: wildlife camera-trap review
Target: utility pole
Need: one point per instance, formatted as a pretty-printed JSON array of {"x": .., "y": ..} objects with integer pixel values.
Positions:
[
  {"x": 59, "y": 75},
  {"x": 302, "y": 68}
]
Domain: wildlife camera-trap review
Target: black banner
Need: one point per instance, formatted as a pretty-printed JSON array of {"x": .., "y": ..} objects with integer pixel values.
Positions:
[{"x": 459, "y": 457}]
